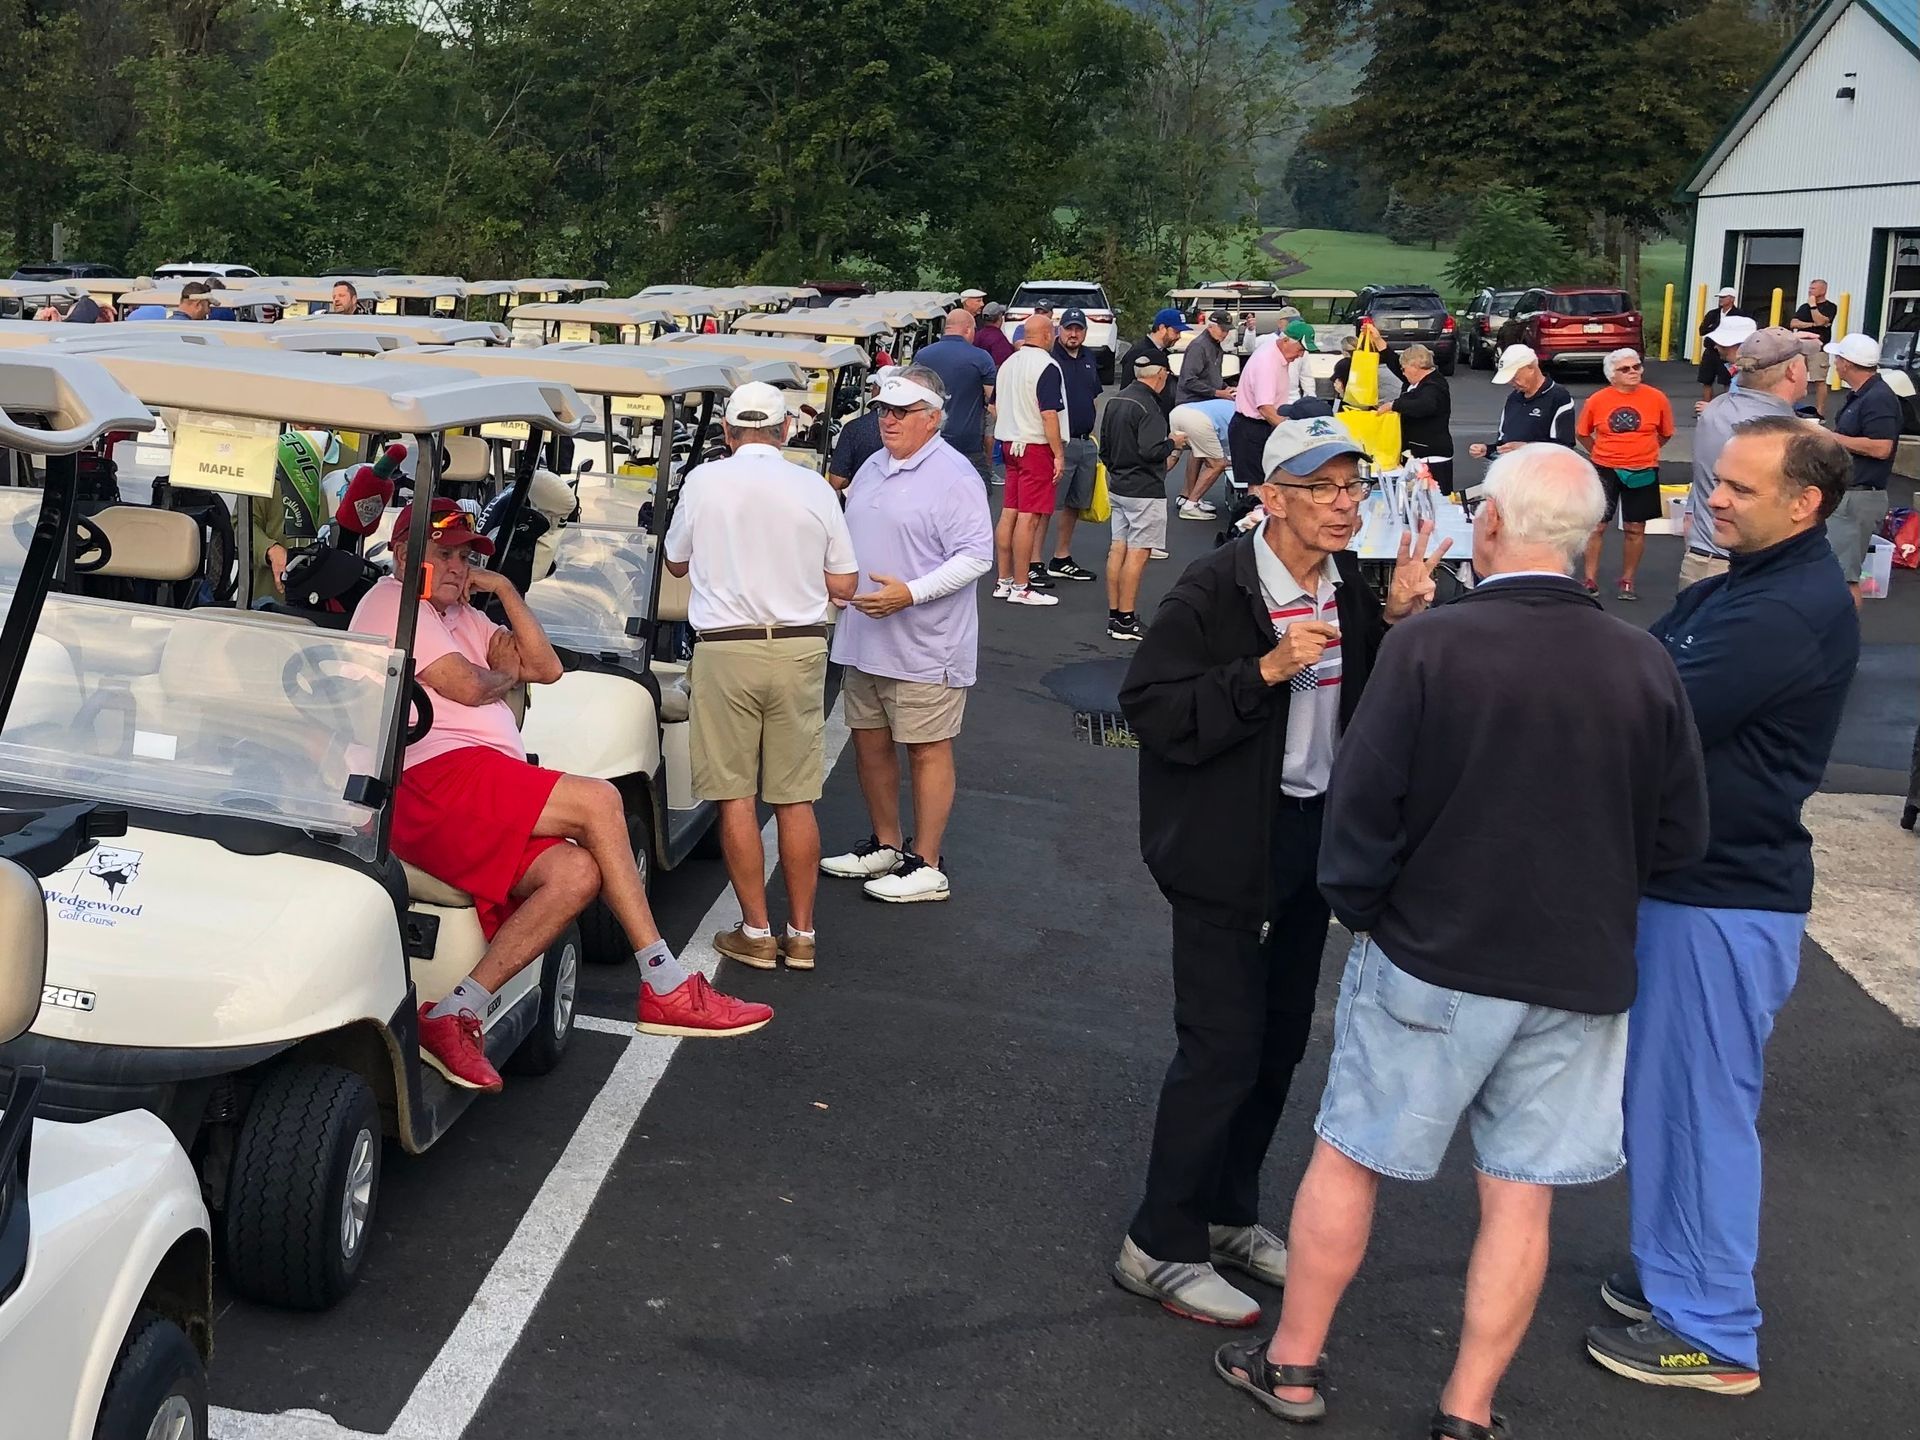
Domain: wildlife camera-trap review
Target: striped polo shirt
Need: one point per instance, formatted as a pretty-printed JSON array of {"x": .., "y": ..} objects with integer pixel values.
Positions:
[{"x": 1313, "y": 705}]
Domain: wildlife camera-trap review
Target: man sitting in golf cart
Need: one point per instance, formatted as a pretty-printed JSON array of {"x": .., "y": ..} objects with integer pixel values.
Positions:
[{"x": 471, "y": 812}]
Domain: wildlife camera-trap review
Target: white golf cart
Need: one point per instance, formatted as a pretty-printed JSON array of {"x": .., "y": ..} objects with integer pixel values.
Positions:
[
  {"x": 836, "y": 381},
  {"x": 599, "y": 322},
  {"x": 249, "y": 960},
  {"x": 620, "y": 712},
  {"x": 106, "y": 1303},
  {"x": 418, "y": 329}
]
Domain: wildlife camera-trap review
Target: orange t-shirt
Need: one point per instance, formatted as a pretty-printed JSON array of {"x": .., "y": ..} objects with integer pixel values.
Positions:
[{"x": 1628, "y": 426}]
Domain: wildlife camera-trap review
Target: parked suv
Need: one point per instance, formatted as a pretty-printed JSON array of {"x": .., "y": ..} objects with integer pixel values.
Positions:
[
  {"x": 1064, "y": 295},
  {"x": 64, "y": 270},
  {"x": 1576, "y": 324},
  {"x": 1409, "y": 315},
  {"x": 1481, "y": 322}
]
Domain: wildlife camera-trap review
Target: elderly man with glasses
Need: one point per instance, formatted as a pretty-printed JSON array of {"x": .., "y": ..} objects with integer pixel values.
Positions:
[
  {"x": 921, "y": 527},
  {"x": 1238, "y": 695}
]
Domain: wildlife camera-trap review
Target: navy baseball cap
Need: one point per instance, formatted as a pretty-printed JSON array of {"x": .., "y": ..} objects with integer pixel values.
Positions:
[
  {"x": 1171, "y": 318},
  {"x": 1073, "y": 317}
]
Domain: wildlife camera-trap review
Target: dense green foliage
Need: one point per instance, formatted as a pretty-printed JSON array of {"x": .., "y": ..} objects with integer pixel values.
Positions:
[{"x": 1507, "y": 242}]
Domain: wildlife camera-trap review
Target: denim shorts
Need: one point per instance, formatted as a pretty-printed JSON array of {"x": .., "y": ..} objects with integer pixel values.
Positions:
[{"x": 1540, "y": 1088}]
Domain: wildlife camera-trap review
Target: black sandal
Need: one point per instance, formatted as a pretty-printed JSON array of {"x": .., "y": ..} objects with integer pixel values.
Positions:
[
  {"x": 1451, "y": 1427},
  {"x": 1262, "y": 1375}
]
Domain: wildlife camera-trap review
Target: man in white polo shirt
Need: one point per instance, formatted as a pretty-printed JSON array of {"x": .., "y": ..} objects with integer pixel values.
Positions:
[{"x": 767, "y": 549}]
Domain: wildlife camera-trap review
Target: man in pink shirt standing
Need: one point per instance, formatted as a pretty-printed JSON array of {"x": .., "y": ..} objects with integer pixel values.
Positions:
[{"x": 1262, "y": 390}]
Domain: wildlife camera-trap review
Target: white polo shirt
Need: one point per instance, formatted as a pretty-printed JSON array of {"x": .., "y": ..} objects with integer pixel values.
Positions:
[
  {"x": 1313, "y": 706},
  {"x": 761, "y": 533}
]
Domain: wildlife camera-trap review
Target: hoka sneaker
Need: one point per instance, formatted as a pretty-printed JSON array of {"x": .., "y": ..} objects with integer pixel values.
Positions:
[{"x": 1654, "y": 1355}]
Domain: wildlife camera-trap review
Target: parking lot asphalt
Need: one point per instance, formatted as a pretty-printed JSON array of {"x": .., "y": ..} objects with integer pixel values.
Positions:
[{"x": 891, "y": 1214}]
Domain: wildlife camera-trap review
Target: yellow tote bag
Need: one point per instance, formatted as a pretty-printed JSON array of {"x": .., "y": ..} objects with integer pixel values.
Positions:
[
  {"x": 1363, "y": 369},
  {"x": 1099, "y": 509},
  {"x": 1378, "y": 431}
]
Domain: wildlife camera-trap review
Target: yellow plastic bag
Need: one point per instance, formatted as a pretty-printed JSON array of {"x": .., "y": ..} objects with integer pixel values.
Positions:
[
  {"x": 1377, "y": 430},
  {"x": 1099, "y": 509},
  {"x": 1363, "y": 380}
]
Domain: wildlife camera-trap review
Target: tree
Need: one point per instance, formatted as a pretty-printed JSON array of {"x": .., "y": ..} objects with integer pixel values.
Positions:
[{"x": 1507, "y": 243}]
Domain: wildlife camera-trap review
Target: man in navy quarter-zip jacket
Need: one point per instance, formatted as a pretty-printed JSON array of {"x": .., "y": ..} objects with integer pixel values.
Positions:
[{"x": 1238, "y": 695}]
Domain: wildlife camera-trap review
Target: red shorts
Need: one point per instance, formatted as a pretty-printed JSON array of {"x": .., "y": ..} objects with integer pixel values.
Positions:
[
  {"x": 467, "y": 818},
  {"x": 1031, "y": 488}
]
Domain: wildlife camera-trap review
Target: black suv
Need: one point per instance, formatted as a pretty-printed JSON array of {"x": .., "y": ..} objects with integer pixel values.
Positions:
[
  {"x": 65, "y": 270},
  {"x": 1408, "y": 315},
  {"x": 1482, "y": 322}
]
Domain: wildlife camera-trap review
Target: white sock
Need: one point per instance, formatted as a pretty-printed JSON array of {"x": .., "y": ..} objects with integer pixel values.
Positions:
[
  {"x": 660, "y": 972},
  {"x": 756, "y": 932},
  {"x": 469, "y": 994},
  {"x": 799, "y": 934}
]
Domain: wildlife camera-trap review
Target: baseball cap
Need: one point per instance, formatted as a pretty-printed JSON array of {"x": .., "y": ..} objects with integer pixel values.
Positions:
[
  {"x": 1860, "y": 349},
  {"x": 1303, "y": 332},
  {"x": 450, "y": 526},
  {"x": 1073, "y": 317},
  {"x": 1172, "y": 319},
  {"x": 1513, "y": 360},
  {"x": 1734, "y": 330},
  {"x": 1222, "y": 318},
  {"x": 973, "y": 294},
  {"x": 756, "y": 403},
  {"x": 1301, "y": 447},
  {"x": 880, "y": 377},
  {"x": 898, "y": 390},
  {"x": 1773, "y": 345},
  {"x": 993, "y": 310},
  {"x": 1148, "y": 355},
  {"x": 1726, "y": 291}
]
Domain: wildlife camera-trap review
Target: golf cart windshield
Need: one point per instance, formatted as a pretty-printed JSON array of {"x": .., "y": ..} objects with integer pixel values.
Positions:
[
  {"x": 602, "y": 576},
  {"x": 212, "y": 713}
]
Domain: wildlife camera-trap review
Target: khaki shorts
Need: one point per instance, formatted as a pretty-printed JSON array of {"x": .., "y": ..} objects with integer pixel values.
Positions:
[
  {"x": 918, "y": 712},
  {"x": 1818, "y": 365},
  {"x": 1202, "y": 439},
  {"x": 1695, "y": 568},
  {"x": 758, "y": 709}
]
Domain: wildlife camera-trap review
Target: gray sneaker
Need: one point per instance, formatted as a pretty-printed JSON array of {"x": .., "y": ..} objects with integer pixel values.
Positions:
[
  {"x": 1191, "y": 1291},
  {"x": 1253, "y": 1249}
]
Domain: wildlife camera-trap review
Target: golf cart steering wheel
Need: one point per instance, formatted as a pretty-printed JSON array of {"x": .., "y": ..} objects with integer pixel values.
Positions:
[
  {"x": 307, "y": 683},
  {"x": 422, "y": 703},
  {"x": 93, "y": 551}
]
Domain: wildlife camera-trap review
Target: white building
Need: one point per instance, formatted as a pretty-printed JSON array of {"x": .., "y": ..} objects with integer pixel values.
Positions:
[{"x": 1818, "y": 178}]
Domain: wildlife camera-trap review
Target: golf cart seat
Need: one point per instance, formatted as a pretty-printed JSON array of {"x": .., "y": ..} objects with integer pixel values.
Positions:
[
  {"x": 149, "y": 544},
  {"x": 675, "y": 701},
  {"x": 429, "y": 891},
  {"x": 675, "y": 592},
  {"x": 469, "y": 460}
]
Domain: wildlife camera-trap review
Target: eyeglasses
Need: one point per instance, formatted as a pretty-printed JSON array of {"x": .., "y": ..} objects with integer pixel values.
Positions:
[
  {"x": 900, "y": 412},
  {"x": 1324, "y": 491},
  {"x": 1628, "y": 369}
]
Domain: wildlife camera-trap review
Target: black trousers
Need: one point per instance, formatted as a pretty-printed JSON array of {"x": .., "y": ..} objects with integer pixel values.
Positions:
[
  {"x": 1242, "y": 1008},
  {"x": 1246, "y": 439},
  {"x": 1913, "y": 776}
]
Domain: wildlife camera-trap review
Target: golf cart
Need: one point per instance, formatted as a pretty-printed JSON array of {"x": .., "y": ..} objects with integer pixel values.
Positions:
[
  {"x": 605, "y": 322},
  {"x": 821, "y": 325},
  {"x": 836, "y": 382},
  {"x": 106, "y": 1303},
  {"x": 311, "y": 295},
  {"x": 254, "y": 303},
  {"x": 22, "y": 299},
  {"x": 429, "y": 330},
  {"x": 527, "y": 292},
  {"x": 249, "y": 959},
  {"x": 620, "y": 711}
]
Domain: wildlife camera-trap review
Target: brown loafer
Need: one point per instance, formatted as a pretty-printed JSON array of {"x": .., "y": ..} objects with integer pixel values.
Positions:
[
  {"x": 798, "y": 951},
  {"x": 736, "y": 944}
]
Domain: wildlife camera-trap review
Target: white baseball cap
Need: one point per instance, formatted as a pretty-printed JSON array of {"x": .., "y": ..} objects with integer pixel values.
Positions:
[
  {"x": 1513, "y": 360},
  {"x": 1860, "y": 349},
  {"x": 1301, "y": 447},
  {"x": 880, "y": 377},
  {"x": 1734, "y": 330},
  {"x": 1727, "y": 292},
  {"x": 973, "y": 294},
  {"x": 756, "y": 404},
  {"x": 898, "y": 390}
]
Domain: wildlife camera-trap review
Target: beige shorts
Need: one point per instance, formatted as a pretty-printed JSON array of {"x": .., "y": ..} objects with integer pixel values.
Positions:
[
  {"x": 758, "y": 709},
  {"x": 1202, "y": 439},
  {"x": 1139, "y": 524},
  {"x": 918, "y": 712},
  {"x": 1818, "y": 364},
  {"x": 1695, "y": 568}
]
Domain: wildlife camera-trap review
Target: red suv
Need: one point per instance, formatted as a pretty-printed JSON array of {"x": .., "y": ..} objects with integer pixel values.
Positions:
[{"x": 1576, "y": 324}]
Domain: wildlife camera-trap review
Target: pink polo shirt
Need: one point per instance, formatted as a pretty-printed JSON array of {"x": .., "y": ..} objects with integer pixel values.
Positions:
[{"x": 1263, "y": 381}]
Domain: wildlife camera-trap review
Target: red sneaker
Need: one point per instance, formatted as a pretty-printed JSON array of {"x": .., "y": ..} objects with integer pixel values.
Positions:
[
  {"x": 697, "y": 1011},
  {"x": 451, "y": 1045}
]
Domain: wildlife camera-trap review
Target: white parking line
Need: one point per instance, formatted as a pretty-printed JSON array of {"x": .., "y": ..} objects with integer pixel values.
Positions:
[{"x": 450, "y": 1393}]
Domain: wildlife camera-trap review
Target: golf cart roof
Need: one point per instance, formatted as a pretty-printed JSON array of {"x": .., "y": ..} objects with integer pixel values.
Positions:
[
  {"x": 653, "y": 290},
  {"x": 923, "y": 306},
  {"x": 808, "y": 354},
  {"x": 243, "y": 333},
  {"x": 330, "y": 392},
  {"x": 545, "y": 287},
  {"x": 41, "y": 289},
  {"x": 78, "y": 399},
  {"x": 593, "y": 369},
  {"x": 420, "y": 329},
  {"x": 591, "y": 312},
  {"x": 113, "y": 287},
  {"x": 767, "y": 369},
  {"x": 783, "y": 292},
  {"x": 308, "y": 290},
  {"x": 824, "y": 323},
  {"x": 489, "y": 287},
  {"x": 169, "y": 294}
]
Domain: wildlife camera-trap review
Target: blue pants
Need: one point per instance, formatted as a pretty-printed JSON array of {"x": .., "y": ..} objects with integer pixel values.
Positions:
[{"x": 1711, "y": 982}]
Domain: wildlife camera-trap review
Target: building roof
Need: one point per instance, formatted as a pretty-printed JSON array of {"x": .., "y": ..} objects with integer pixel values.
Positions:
[{"x": 1900, "y": 19}]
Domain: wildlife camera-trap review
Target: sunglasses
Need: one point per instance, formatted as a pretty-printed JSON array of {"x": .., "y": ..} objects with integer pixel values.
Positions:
[{"x": 900, "y": 412}]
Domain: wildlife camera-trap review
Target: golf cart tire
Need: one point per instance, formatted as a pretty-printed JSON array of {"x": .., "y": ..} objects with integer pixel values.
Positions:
[
  {"x": 157, "y": 1370},
  {"x": 602, "y": 940},
  {"x": 285, "y": 1241},
  {"x": 552, "y": 1029}
]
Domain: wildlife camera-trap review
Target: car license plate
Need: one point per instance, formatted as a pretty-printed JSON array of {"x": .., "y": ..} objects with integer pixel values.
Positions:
[
  {"x": 1594, "y": 329},
  {"x": 1409, "y": 324}
]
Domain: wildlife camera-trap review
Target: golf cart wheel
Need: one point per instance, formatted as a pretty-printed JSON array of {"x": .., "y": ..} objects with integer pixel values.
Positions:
[
  {"x": 559, "y": 992},
  {"x": 157, "y": 1389},
  {"x": 603, "y": 941},
  {"x": 306, "y": 1173}
]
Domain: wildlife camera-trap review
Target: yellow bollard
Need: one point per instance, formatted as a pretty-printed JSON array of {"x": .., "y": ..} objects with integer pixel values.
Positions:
[
  {"x": 1779, "y": 298},
  {"x": 1840, "y": 322},
  {"x": 1700, "y": 309},
  {"x": 1666, "y": 323}
]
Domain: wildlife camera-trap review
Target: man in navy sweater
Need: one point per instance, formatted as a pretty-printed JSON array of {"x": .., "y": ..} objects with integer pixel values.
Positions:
[{"x": 1766, "y": 652}]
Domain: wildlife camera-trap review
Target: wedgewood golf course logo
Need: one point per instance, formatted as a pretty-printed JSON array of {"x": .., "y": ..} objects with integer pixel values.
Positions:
[{"x": 94, "y": 888}]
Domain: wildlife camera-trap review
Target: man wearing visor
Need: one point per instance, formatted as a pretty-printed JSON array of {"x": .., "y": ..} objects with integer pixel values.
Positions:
[{"x": 531, "y": 846}]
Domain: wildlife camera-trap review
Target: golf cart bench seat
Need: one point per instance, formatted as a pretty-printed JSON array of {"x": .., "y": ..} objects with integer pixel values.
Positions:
[
  {"x": 469, "y": 459},
  {"x": 429, "y": 891},
  {"x": 149, "y": 544}
]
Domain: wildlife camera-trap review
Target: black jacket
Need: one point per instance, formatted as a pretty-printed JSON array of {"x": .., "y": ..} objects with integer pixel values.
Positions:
[
  {"x": 1213, "y": 733},
  {"x": 1545, "y": 415},
  {"x": 1426, "y": 412},
  {"x": 1200, "y": 368},
  {"x": 1501, "y": 846},
  {"x": 1135, "y": 444},
  {"x": 1767, "y": 652}
]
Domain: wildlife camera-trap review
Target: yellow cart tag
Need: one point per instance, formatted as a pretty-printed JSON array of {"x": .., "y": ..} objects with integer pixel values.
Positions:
[
  {"x": 387, "y": 307},
  {"x": 809, "y": 458},
  {"x": 506, "y": 430},
  {"x": 638, "y": 472},
  {"x": 226, "y": 453},
  {"x": 641, "y": 407},
  {"x": 841, "y": 340},
  {"x": 444, "y": 304},
  {"x": 576, "y": 330}
]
